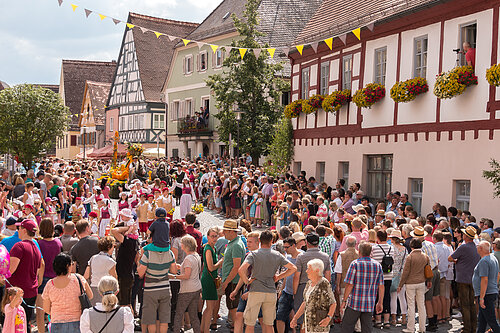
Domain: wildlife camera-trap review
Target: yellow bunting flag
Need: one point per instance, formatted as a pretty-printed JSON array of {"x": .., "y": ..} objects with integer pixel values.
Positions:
[
  {"x": 242, "y": 53},
  {"x": 329, "y": 42},
  {"x": 214, "y": 47},
  {"x": 158, "y": 34},
  {"x": 186, "y": 41},
  {"x": 300, "y": 48},
  {"x": 74, "y": 7},
  {"x": 271, "y": 51},
  {"x": 102, "y": 16},
  {"x": 357, "y": 33},
  {"x": 130, "y": 25}
]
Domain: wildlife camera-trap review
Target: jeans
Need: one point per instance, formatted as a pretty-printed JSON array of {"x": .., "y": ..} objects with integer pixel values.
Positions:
[
  {"x": 469, "y": 314},
  {"x": 416, "y": 291},
  {"x": 71, "y": 327},
  {"x": 351, "y": 317},
  {"x": 28, "y": 306},
  {"x": 487, "y": 316}
]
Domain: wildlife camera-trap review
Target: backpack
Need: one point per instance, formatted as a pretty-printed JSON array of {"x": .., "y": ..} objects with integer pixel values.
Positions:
[{"x": 387, "y": 261}]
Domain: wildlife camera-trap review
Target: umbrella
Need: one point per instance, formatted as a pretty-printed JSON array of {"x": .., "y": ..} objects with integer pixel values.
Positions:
[
  {"x": 154, "y": 152},
  {"x": 107, "y": 152}
]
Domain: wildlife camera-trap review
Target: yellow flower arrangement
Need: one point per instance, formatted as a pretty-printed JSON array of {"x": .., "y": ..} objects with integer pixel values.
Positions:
[
  {"x": 135, "y": 149},
  {"x": 336, "y": 99},
  {"x": 197, "y": 209},
  {"x": 493, "y": 75},
  {"x": 293, "y": 109},
  {"x": 453, "y": 83},
  {"x": 369, "y": 95},
  {"x": 171, "y": 212},
  {"x": 408, "y": 90},
  {"x": 307, "y": 108}
]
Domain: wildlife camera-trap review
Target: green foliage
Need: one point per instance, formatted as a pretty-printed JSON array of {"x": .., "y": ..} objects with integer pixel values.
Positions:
[
  {"x": 493, "y": 176},
  {"x": 281, "y": 149},
  {"x": 31, "y": 119},
  {"x": 252, "y": 86}
]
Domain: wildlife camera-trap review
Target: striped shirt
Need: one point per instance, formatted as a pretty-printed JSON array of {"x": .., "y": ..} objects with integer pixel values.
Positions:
[
  {"x": 158, "y": 266},
  {"x": 430, "y": 249},
  {"x": 378, "y": 254},
  {"x": 365, "y": 274}
]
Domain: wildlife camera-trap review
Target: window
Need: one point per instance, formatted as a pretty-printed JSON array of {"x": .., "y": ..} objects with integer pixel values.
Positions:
[
  {"x": 175, "y": 153},
  {"x": 188, "y": 64},
  {"x": 159, "y": 121},
  {"x": 130, "y": 123},
  {"x": 136, "y": 121},
  {"x": 420, "y": 60},
  {"x": 218, "y": 58},
  {"x": 320, "y": 172},
  {"x": 189, "y": 106},
  {"x": 346, "y": 72},
  {"x": 111, "y": 124},
  {"x": 122, "y": 123},
  {"x": 380, "y": 65},
  {"x": 285, "y": 98},
  {"x": 174, "y": 112},
  {"x": 416, "y": 190},
  {"x": 462, "y": 194},
  {"x": 324, "y": 78},
  {"x": 344, "y": 172},
  {"x": 73, "y": 140},
  {"x": 202, "y": 61},
  {"x": 467, "y": 34},
  {"x": 305, "y": 83},
  {"x": 379, "y": 172},
  {"x": 297, "y": 167}
]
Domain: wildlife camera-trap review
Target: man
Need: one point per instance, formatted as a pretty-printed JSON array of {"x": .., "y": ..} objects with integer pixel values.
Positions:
[
  {"x": 443, "y": 252},
  {"x": 294, "y": 206},
  {"x": 285, "y": 301},
  {"x": 344, "y": 260},
  {"x": 358, "y": 231},
  {"x": 233, "y": 256},
  {"x": 67, "y": 238},
  {"x": 85, "y": 248},
  {"x": 326, "y": 243},
  {"x": 10, "y": 227},
  {"x": 300, "y": 277},
  {"x": 363, "y": 279},
  {"x": 300, "y": 240},
  {"x": 484, "y": 280},
  {"x": 404, "y": 200},
  {"x": 336, "y": 198},
  {"x": 466, "y": 258},
  {"x": 487, "y": 226},
  {"x": 262, "y": 291},
  {"x": 470, "y": 54},
  {"x": 155, "y": 267},
  {"x": 406, "y": 230},
  {"x": 191, "y": 230},
  {"x": 267, "y": 191},
  {"x": 379, "y": 217},
  {"x": 26, "y": 267}
]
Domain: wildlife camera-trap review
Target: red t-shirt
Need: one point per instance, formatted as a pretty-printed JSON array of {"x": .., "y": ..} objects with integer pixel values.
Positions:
[
  {"x": 25, "y": 276},
  {"x": 471, "y": 56},
  {"x": 197, "y": 235}
]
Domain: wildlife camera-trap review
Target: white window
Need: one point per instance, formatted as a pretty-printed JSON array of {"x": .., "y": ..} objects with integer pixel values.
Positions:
[
  {"x": 159, "y": 121},
  {"x": 462, "y": 194},
  {"x": 344, "y": 171},
  {"x": 189, "y": 106},
  {"x": 188, "y": 64},
  {"x": 202, "y": 61},
  {"x": 379, "y": 171},
  {"x": 416, "y": 191},
  {"x": 305, "y": 83},
  {"x": 380, "y": 65},
  {"x": 174, "y": 110},
  {"x": 346, "y": 72},
  {"x": 297, "y": 168},
  {"x": 420, "y": 60},
  {"x": 130, "y": 123},
  {"x": 111, "y": 124},
  {"x": 122, "y": 123},
  {"x": 141, "y": 122},
  {"x": 320, "y": 171},
  {"x": 218, "y": 58},
  {"x": 467, "y": 34},
  {"x": 324, "y": 78}
]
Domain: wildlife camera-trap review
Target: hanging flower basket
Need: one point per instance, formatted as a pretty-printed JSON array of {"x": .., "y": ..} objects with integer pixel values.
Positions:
[
  {"x": 135, "y": 149},
  {"x": 307, "y": 108},
  {"x": 453, "y": 83},
  {"x": 369, "y": 95},
  {"x": 336, "y": 100},
  {"x": 316, "y": 101},
  {"x": 408, "y": 90},
  {"x": 493, "y": 75},
  {"x": 293, "y": 109}
]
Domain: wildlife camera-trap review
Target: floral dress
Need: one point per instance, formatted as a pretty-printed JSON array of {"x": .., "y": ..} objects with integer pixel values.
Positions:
[{"x": 400, "y": 255}]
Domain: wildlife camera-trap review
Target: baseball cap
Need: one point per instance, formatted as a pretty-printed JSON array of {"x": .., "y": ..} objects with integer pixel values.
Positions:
[
  {"x": 11, "y": 221},
  {"x": 28, "y": 225},
  {"x": 312, "y": 238},
  {"x": 161, "y": 212}
]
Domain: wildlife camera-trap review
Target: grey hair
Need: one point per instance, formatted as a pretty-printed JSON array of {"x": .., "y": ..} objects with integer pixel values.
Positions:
[
  {"x": 390, "y": 215},
  {"x": 485, "y": 245},
  {"x": 350, "y": 241},
  {"x": 407, "y": 228},
  {"x": 189, "y": 242},
  {"x": 317, "y": 265}
]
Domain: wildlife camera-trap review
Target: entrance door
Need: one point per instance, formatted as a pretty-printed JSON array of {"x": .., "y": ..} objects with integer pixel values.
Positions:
[{"x": 206, "y": 150}]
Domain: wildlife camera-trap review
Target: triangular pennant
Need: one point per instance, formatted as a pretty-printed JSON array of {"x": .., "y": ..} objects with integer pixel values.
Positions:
[
  {"x": 242, "y": 52},
  {"x": 143, "y": 29},
  {"x": 357, "y": 33},
  {"x": 74, "y": 7},
  {"x": 271, "y": 52},
  {"x": 102, "y": 16},
  {"x": 370, "y": 26},
  {"x": 214, "y": 47},
  {"x": 200, "y": 44},
  {"x": 257, "y": 52},
  {"x": 130, "y": 26},
  {"x": 286, "y": 50},
  {"x": 60, "y": 2},
  {"x": 299, "y": 48},
  {"x": 115, "y": 21},
  {"x": 315, "y": 46},
  {"x": 329, "y": 42},
  {"x": 228, "y": 50},
  {"x": 343, "y": 38},
  {"x": 87, "y": 12},
  {"x": 185, "y": 41},
  {"x": 171, "y": 38},
  {"x": 158, "y": 34}
]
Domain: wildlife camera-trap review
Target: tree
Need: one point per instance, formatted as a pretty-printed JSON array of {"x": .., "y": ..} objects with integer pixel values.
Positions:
[
  {"x": 281, "y": 148},
  {"x": 494, "y": 176},
  {"x": 31, "y": 119},
  {"x": 251, "y": 85}
]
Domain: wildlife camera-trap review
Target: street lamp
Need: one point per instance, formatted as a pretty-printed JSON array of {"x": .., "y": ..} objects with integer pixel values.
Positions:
[{"x": 238, "y": 114}]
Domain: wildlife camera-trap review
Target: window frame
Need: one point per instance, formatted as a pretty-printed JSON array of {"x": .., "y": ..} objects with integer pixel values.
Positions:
[
  {"x": 111, "y": 124},
  {"x": 202, "y": 53},
  {"x": 217, "y": 57},
  {"x": 383, "y": 171},
  {"x": 320, "y": 171},
  {"x": 341, "y": 171},
  {"x": 461, "y": 39},
  {"x": 421, "y": 55},
  {"x": 460, "y": 199},
  {"x": 187, "y": 58},
  {"x": 305, "y": 88},
  {"x": 344, "y": 72},
  {"x": 190, "y": 110},
  {"x": 324, "y": 78},
  {"x": 379, "y": 74},
  {"x": 416, "y": 197},
  {"x": 159, "y": 121}
]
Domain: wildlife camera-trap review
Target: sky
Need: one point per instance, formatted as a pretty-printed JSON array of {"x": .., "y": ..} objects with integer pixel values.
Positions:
[{"x": 35, "y": 35}]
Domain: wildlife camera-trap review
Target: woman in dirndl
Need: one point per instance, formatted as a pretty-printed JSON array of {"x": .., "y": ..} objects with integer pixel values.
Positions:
[{"x": 187, "y": 198}]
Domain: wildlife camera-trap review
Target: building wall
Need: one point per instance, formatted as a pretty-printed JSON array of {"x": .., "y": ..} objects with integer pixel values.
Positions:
[{"x": 110, "y": 132}]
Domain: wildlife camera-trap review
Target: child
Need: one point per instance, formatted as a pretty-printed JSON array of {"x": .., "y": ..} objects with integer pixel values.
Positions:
[
  {"x": 253, "y": 203},
  {"x": 123, "y": 202},
  {"x": 160, "y": 232},
  {"x": 37, "y": 211},
  {"x": 151, "y": 210},
  {"x": 77, "y": 210},
  {"x": 259, "y": 209},
  {"x": 17, "y": 208},
  {"x": 28, "y": 212},
  {"x": 128, "y": 220},
  {"x": 93, "y": 220},
  {"x": 15, "y": 316},
  {"x": 104, "y": 217},
  {"x": 166, "y": 200},
  {"x": 142, "y": 214},
  {"x": 283, "y": 216},
  {"x": 218, "y": 200}
]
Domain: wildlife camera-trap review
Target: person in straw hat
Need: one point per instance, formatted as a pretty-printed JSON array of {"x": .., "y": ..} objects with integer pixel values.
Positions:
[
  {"x": 466, "y": 258},
  {"x": 400, "y": 255}
]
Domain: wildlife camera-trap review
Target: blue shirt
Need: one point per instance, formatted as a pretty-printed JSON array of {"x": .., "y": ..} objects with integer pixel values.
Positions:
[
  {"x": 365, "y": 274},
  {"x": 487, "y": 266},
  {"x": 9, "y": 242}
]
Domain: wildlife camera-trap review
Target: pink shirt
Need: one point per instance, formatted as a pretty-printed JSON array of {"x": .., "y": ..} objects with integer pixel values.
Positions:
[
  {"x": 65, "y": 305},
  {"x": 363, "y": 235},
  {"x": 15, "y": 319}
]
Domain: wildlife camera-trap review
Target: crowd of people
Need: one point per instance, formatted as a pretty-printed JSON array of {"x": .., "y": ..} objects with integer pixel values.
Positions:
[{"x": 291, "y": 255}]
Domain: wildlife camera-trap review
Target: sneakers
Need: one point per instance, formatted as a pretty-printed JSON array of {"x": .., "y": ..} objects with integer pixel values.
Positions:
[
  {"x": 458, "y": 315},
  {"x": 407, "y": 330}
]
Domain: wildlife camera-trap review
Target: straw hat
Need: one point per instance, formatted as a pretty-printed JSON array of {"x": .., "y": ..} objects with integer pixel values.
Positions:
[
  {"x": 396, "y": 234},
  {"x": 380, "y": 212},
  {"x": 358, "y": 207},
  {"x": 470, "y": 232},
  {"x": 418, "y": 232},
  {"x": 231, "y": 225}
]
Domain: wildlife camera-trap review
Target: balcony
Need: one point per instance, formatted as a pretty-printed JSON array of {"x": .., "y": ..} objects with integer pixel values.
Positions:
[{"x": 192, "y": 126}]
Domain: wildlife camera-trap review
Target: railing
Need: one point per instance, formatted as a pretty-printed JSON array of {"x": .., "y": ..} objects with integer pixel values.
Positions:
[{"x": 193, "y": 125}]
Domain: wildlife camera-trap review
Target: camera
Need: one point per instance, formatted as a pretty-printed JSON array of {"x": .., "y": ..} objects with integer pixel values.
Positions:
[{"x": 456, "y": 50}]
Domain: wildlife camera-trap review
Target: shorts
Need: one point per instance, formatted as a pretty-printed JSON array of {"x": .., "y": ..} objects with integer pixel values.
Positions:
[
  {"x": 70, "y": 327},
  {"x": 125, "y": 293},
  {"x": 42, "y": 286},
  {"x": 498, "y": 300},
  {"x": 298, "y": 299},
  {"x": 444, "y": 288},
  {"x": 232, "y": 304},
  {"x": 156, "y": 304},
  {"x": 434, "y": 290},
  {"x": 260, "y": 301},
  {"x": 143, "y": 226},
  {"x": 242, "y": 306},
  {"x": 285, "y": 307}
]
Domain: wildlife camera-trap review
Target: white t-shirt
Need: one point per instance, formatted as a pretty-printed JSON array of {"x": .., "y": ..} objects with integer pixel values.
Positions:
[
  {"x": 100, "y": 264},
  {"x": 192, "y": 284}
]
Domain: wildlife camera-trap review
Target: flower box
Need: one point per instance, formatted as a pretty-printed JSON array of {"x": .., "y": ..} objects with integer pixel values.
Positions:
[
  {"x": 453, "y": 83},
  {"x": 293, "y": 109},
  {"x": 316, "y": 101},
  {"x": 369, "y": 95},
  {"x": 334, "y": 101},
  {"x": 408, "y": 90},
  {"x": 493, "y": 75}
]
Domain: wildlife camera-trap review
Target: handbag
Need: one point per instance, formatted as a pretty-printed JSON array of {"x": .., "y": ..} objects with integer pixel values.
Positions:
[
  {"x": 428, "y": 272},
  {"x": 217, "y": 280},
  {"x": 83, "y": 298},
  {"x": 395, "y": 283}
]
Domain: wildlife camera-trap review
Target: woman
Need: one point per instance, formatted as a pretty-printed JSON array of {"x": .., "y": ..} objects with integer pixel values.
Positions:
[
  {"x": 208, "y": 277},
  {"x": 108, "y": 316},
  {"x": 60, "y": 296},
  {"x": 189, "y": 293},
  {"x": 50, "y": 247},
  {"x": 399, "y": 256},
  {"x": 413, "y": 277},
  {"x": 186, "y": 198},
  {"x": 29, "y": 196},
  {"x": 19, "y": 187},
  {"x": 100, "y": 265},
  {"x": 177, "y": 231},
  {"x": 319, "y": 303},
  {"x": 235, "y": 202}
]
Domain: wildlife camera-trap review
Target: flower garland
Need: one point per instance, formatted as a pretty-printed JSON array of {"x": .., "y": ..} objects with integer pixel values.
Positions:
[
  {"x": 307, "y": 108},
  {"x": 453, "y": 83},
  {"x": 493, "y": 75},
  {"x": 316, "y": 101},
  {"x": 408, "y": 90},
  {"x": 369, "y": 95},
  {"x": 293, "y": 109},
  {"x": 336, "y": 99}
]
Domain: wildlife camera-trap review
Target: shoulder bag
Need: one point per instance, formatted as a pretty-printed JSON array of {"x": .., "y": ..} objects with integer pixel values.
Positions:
[
  {"x": 84, "y": 299},
  {"x": 109, "y": 319}
]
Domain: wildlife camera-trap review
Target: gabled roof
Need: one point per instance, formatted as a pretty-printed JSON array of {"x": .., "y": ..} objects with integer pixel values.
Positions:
[
  {"x": 154, "y": 55},
  {"x": 3, "y": 85},
  {"x": 335, "y": 17},
  {"x": 98, "y": 93},
  {"x": 53, "y": 87},
  {"x": 74, "y": 75}
]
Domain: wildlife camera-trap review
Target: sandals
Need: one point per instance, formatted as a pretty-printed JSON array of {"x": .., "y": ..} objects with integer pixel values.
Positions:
[
  {"x": 387, "y": 325},
  {"x": 213, "y": 327},
  {"x": 378, "y": 325}
]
